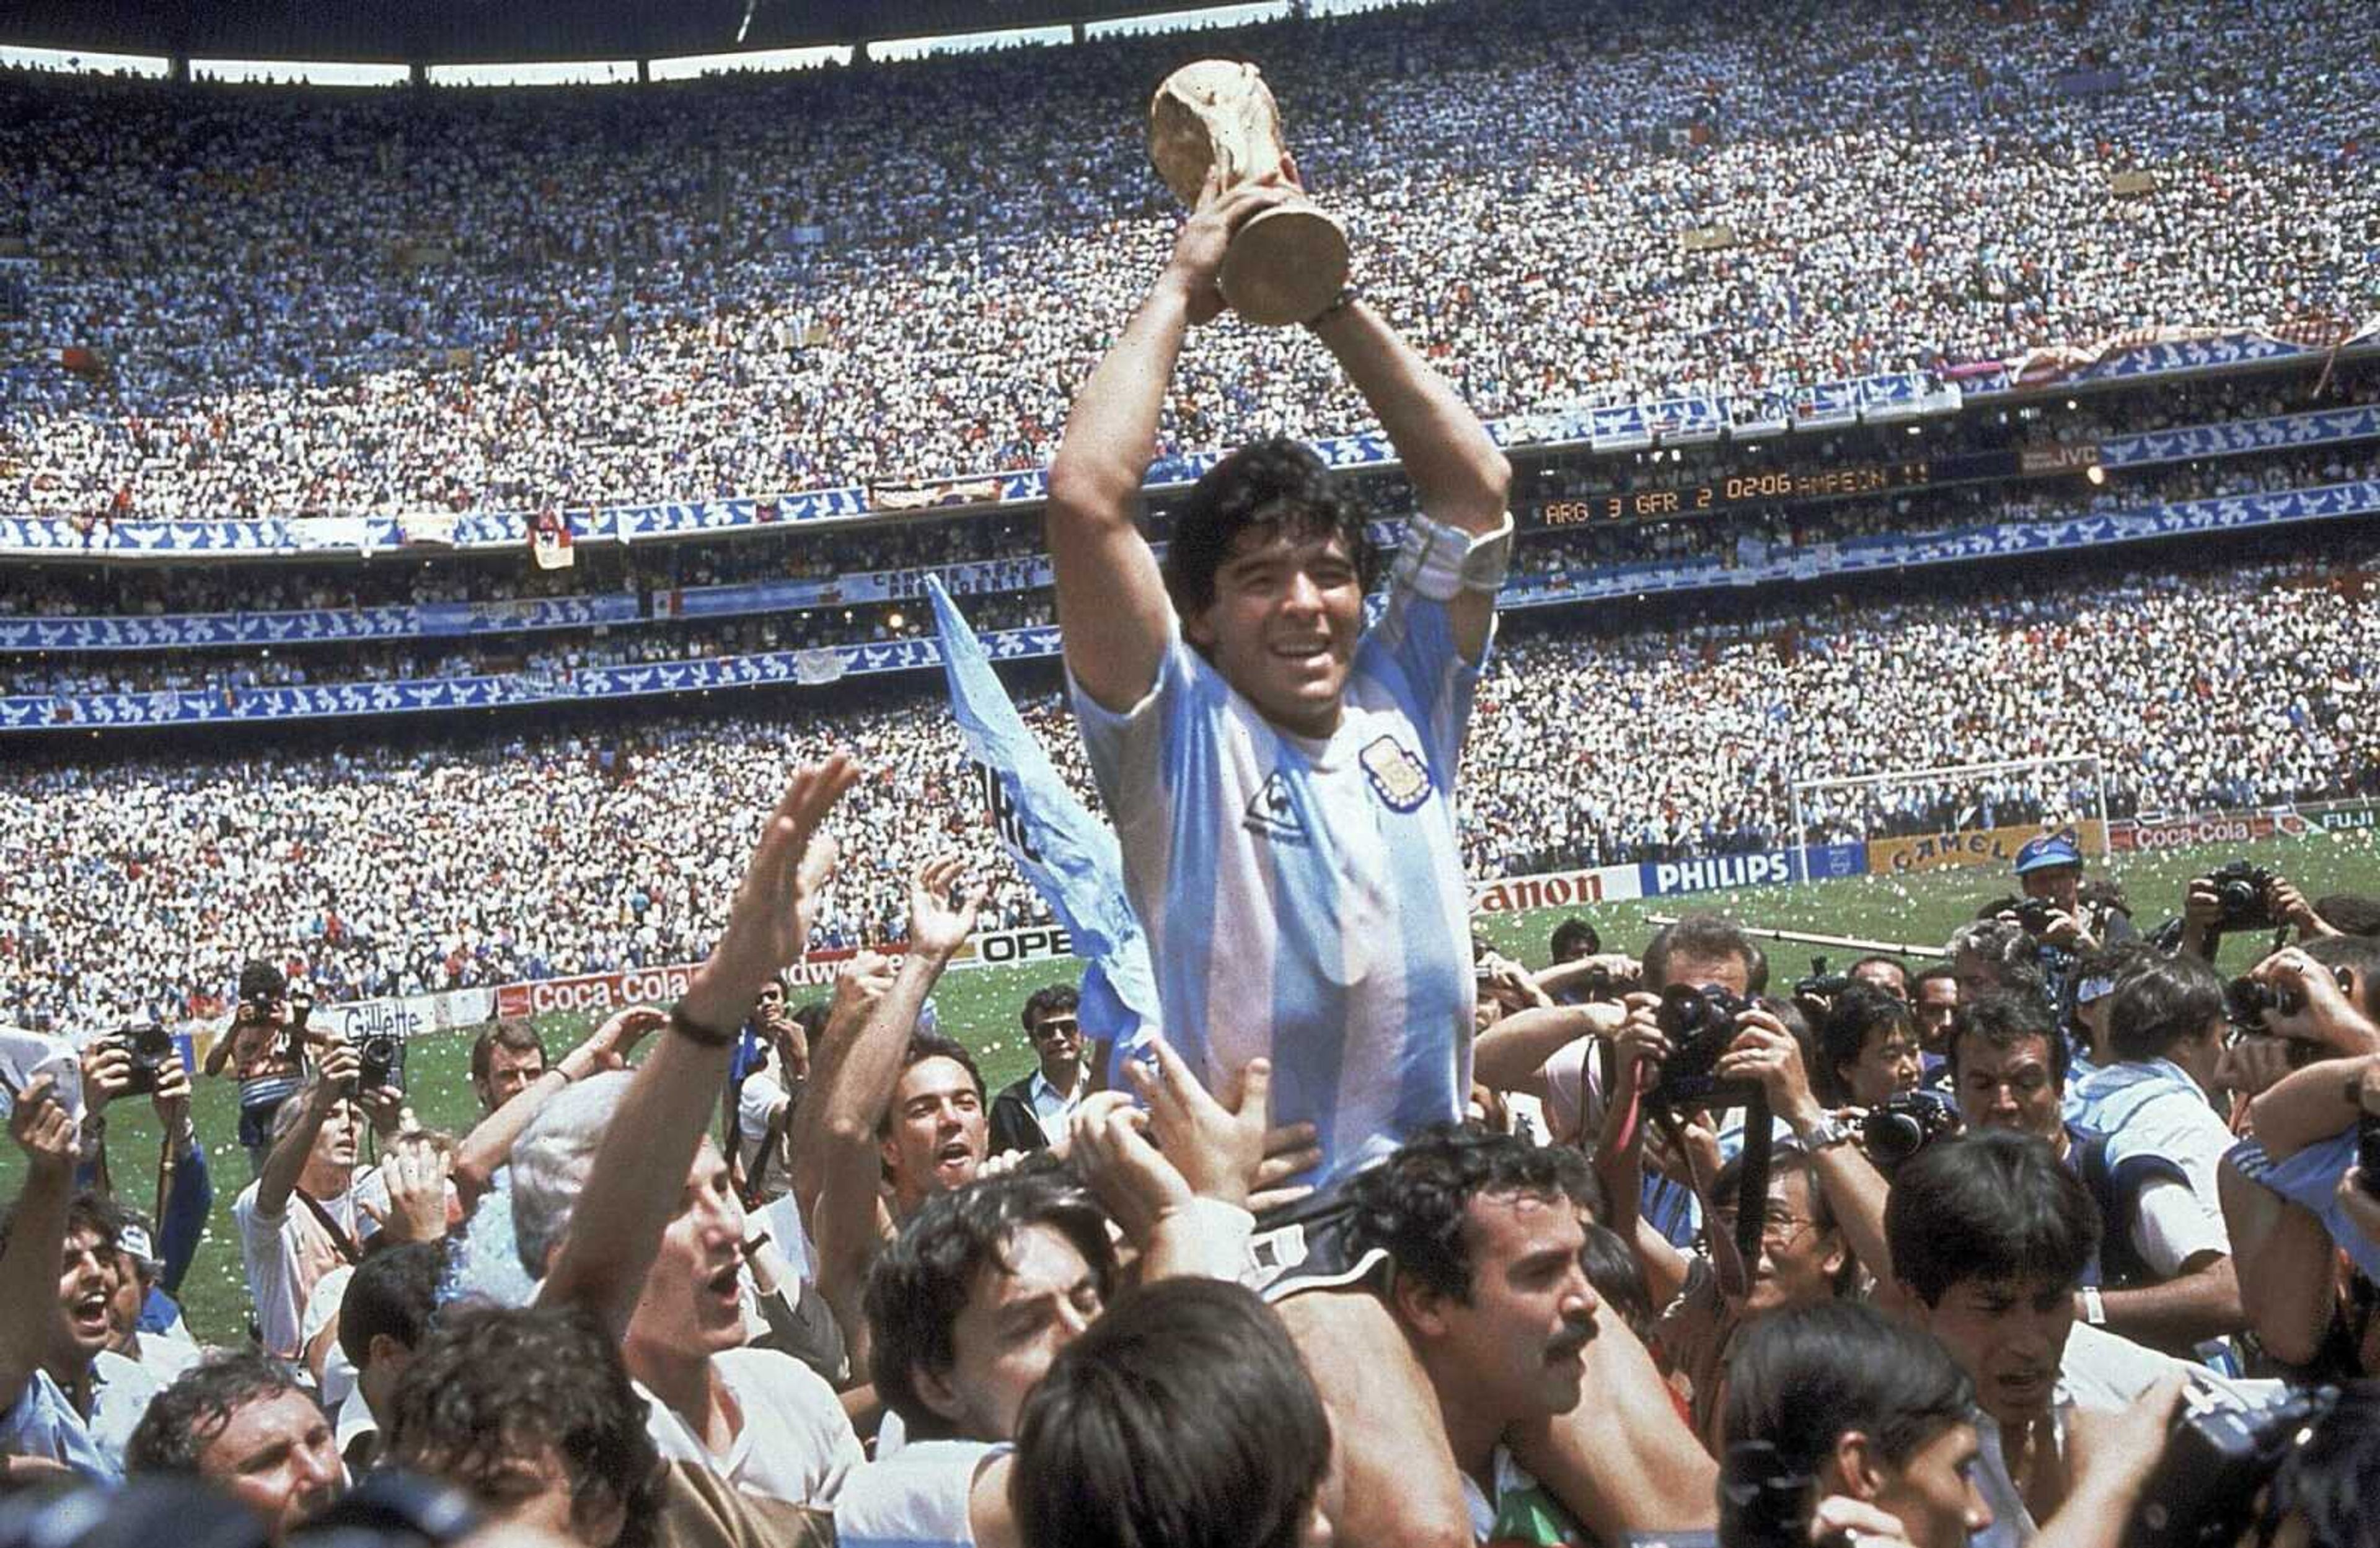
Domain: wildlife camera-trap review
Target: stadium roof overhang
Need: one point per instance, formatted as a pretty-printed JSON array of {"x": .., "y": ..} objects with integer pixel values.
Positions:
[{"x": 433, "y": 32}]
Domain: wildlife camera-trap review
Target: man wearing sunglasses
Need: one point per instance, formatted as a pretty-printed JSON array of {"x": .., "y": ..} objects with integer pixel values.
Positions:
[{"x": 1028, "y": 1114}]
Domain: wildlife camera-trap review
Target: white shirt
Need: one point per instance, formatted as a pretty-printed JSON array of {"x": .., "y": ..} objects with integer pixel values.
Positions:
[
  {"x": 2154, "y": 1106},
  {"x": 756, "y": 1102},
  {"x": 287, "y": 1254},
  {"x": 919, "y": 1497},
  {"x": 795, "y": 1444},
  {"x": 1053, "y": 1109}
]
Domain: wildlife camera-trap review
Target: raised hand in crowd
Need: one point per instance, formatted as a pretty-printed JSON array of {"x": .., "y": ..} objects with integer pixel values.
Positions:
[{"x": 641, "y": 1168}]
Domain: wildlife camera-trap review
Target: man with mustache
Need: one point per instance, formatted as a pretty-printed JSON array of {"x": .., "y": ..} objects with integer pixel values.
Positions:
[{"x": 1485, "y": 1234}]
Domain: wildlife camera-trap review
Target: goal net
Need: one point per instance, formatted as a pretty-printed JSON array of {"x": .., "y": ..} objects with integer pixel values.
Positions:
[{"x": 1955, "y": 815}]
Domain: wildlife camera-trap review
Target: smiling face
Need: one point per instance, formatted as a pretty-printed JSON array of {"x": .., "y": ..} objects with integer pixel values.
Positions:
[
  {"x": 2010, "y": 1336},
  {"x": 1515, "y": 1348},
  {"x": 88, "y": 1286},
  {"x": 1799, "y": 1260},
  {"x": 937, "y": 1136},
  {"x": 692, "y": 1301},
  {"x": 1283, "y": 625},
  {"x": 1018, "y": 1316}
]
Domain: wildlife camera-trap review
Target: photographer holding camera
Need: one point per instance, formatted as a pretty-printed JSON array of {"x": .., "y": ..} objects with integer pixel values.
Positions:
[
  {"x": 145, "y": 1062},
  {"x": 2244, "y": 896},
  {"x": 264, "y": 1048},
  {"x": 2284, "y": 1198}
]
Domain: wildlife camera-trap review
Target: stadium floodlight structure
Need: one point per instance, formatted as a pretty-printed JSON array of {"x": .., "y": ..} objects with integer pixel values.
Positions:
[{"x": 2071, "y": 788}]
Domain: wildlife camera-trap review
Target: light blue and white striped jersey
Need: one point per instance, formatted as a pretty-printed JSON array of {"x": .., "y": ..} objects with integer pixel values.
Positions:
[{"x": 1303, "y": 899}]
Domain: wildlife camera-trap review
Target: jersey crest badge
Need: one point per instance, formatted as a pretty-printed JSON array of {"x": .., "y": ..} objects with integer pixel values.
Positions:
[
  {"x": 1396, "y": 774},
  {"x": 1272, "y": 812}
]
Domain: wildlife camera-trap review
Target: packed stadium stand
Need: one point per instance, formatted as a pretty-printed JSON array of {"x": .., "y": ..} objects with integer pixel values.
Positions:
[{"x": 1849, "y": 360}]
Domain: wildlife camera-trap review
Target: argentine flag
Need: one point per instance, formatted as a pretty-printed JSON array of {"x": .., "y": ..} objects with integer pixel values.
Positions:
[{"x": 1069, "y": 856}]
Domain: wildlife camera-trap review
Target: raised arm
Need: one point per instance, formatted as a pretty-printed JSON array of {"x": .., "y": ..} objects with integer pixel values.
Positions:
[
  {"x": 1113, "y": 614},
  {"x": 859, "y": 1091},
  {"x": 640, "y": 1169},
  {"x": 334, "y": 1082},
  {"x": 2324, "y": 1099},
  {"x": 489, "y": 1145},
  {"x": 1766, "y": 1052},
  {"x": 37, "y": 1233},
  {"x": 1511, "y": 1054},
  {"x": 1459, "y": 476}
]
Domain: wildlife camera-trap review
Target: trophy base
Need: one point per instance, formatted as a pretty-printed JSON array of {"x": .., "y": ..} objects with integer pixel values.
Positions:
[{"x": 1284, "y": 266}]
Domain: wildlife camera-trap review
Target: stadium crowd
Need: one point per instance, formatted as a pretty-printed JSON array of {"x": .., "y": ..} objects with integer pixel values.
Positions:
[
  {"x": 1322, "y": 1222},
  {"x": 129, "y": 885},
  {"x": 474, "y": 300},
  {"x": 1014, "y": 594}
]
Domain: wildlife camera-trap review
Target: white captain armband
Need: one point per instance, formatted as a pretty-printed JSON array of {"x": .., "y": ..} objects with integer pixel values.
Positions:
[{"x": 1440, "y": 562}]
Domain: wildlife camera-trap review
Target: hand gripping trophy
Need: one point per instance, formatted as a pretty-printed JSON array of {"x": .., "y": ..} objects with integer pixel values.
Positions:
[{"x": 1285, "y": 265}]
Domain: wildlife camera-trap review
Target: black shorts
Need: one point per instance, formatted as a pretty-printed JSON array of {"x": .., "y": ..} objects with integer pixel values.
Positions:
[{"x": 1311, "y": 1245}]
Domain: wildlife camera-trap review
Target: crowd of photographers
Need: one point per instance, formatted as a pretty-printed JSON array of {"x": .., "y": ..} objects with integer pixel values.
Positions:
[
  {"x": 1926, "y": 1253},
  {"x": 286, "y": 302}
]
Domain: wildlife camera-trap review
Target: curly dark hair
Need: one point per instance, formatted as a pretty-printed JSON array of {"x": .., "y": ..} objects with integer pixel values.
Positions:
[
  {"x": 185, "y": 1419},
  {"x": 1414, "y": 1205},
  {"x": 1277, "y": 487},
  {"x": 493, "y": 1384},
  {"x": 924, "y": 1277}
]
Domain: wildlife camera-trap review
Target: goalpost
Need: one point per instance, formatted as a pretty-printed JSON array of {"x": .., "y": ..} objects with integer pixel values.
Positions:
[{"x": 2045, "y": 794}]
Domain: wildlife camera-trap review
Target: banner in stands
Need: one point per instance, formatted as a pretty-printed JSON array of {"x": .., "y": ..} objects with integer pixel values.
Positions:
[
  {"x": 412, "y": 1016},
  {"x": 2126, "y": 836},
  {"x": 1990, "y": 847},
  {"x": 1602, "y": 884},
  {"x": 2348, "y": 816},
  {"x": 654, "y": 985},
  {"x": 1659, "y": 878}
]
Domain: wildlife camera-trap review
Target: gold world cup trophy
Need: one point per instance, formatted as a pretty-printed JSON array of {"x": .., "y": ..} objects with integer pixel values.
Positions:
[{"x": 1285, "y": 265}]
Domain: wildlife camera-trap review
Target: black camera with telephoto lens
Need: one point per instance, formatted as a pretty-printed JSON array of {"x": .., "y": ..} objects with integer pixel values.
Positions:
[
  {"x": 2243, "y": 891},
  {"x": 1821, "y": 983},
  {"x": 1904, "y": 1124},
  {"x": 380, "y": 1062},
  {"x": 1699, "y": 1021},
  {"x": 151, "y": 1049},
  {"x": 2218, "y": 1457}
]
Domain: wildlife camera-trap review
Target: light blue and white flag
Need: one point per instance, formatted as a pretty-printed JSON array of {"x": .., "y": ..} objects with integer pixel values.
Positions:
[{"x": 1069, "y": 855}]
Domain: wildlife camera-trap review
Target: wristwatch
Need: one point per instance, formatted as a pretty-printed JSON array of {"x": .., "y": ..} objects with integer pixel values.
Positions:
[
  {"x": 1824, "y": 1134},
  {"x": 2094, "y": 1309}
]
